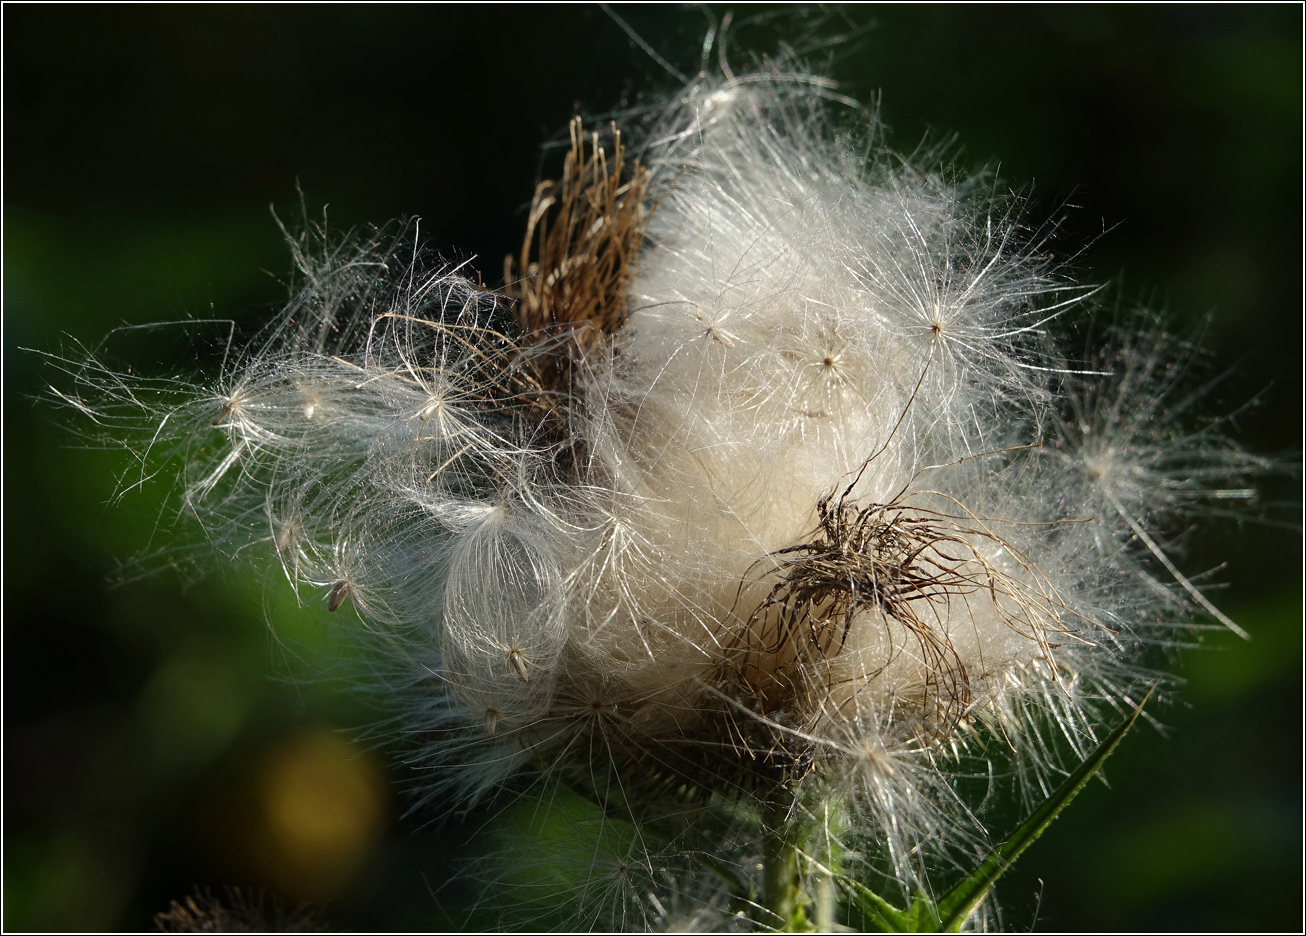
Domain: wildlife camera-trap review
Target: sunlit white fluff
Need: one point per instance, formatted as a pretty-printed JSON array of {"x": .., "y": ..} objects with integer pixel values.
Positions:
[{"x": 828, "y": 362}]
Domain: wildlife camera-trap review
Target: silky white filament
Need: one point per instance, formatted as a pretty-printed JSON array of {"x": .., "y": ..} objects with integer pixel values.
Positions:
[{"x": 811, "y": 496}]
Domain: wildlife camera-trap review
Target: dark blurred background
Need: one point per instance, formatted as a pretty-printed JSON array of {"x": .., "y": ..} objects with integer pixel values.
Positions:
[{"x": 157, "y": 737}]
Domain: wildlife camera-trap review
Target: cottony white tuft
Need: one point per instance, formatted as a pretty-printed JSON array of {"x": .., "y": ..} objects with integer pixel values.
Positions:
[{"x": 763, "y": 485}]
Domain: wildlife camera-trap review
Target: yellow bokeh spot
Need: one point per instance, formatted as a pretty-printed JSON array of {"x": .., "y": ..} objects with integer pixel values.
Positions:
[{"x": 323, "y": 805}]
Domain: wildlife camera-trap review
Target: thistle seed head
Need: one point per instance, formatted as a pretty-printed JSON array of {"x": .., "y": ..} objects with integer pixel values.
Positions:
[{"x": 763, "y": 472}]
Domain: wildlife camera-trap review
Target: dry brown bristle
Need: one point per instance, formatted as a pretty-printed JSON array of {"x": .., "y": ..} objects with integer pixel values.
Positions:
[
  {"x": 577, "y": 259},
  {"x": 902, "y": 562},
  {"x": 238, "y": 912}
]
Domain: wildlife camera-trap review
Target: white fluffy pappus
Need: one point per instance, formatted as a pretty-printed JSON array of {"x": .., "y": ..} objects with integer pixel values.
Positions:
[{"x": 764, "y": 481}]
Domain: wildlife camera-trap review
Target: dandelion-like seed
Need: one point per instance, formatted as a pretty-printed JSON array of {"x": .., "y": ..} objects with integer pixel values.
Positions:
[{"x": 757, "y": 501}]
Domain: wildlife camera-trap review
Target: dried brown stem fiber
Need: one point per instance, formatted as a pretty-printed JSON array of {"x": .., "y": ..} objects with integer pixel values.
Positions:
[
  {"x": 578, "y": 256},
  {"x": 874, "y": 596}
]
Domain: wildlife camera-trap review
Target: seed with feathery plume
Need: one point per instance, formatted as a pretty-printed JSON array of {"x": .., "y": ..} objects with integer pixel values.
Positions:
[{"x": 739, "y": 491}]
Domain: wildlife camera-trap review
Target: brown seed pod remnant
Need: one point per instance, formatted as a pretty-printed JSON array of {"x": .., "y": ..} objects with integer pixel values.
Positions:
[
  {"x": 236, "y": 912},
  {"x": 578, "y": 256},
  {"x": 910, "y": 574}
]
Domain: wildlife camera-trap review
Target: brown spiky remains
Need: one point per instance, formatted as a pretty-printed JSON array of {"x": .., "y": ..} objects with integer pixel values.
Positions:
[
  {"x": 802, "y": 666},
  {"x": 578, "y": 256},
  {"x": 883, "y": 565},
  {"x": 237, "y": 912}
]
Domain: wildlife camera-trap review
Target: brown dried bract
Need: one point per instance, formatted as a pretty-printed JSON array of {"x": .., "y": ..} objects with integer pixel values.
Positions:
[
  {"x": 239, "y": 912},
  {"x": 900, "y": 564},
  {"x": 578, "y": 257}
]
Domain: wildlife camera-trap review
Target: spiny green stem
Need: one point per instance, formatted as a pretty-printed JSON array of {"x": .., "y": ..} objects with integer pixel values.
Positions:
[
  {"x": 781, "y": 881},
  {"x": 825, "y": 900},
  {"x": 822, "y": 872}
]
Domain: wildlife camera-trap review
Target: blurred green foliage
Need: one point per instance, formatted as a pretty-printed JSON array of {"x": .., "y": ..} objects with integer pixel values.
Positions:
[{"x": 148, "y": 726}]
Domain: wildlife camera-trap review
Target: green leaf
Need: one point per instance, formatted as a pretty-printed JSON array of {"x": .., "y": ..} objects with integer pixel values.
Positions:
[
  {"x": 884, "y": 916},
  {"x": 921, "y": 917},
  {"x": 924, "y": 915},
  {"x": 958, "y": 903}
]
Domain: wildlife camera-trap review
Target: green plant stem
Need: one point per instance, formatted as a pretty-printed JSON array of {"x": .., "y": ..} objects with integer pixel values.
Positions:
[
  {"x": 822, "y": 871},
  {"x": 781, "y": 882},
  {"x": 825, "y": 902}
]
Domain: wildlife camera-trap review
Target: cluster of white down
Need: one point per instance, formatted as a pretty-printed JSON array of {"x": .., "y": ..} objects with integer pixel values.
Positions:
[
  {"x": 801, "y": 320},
  {"x": 568, "y": 576}
]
